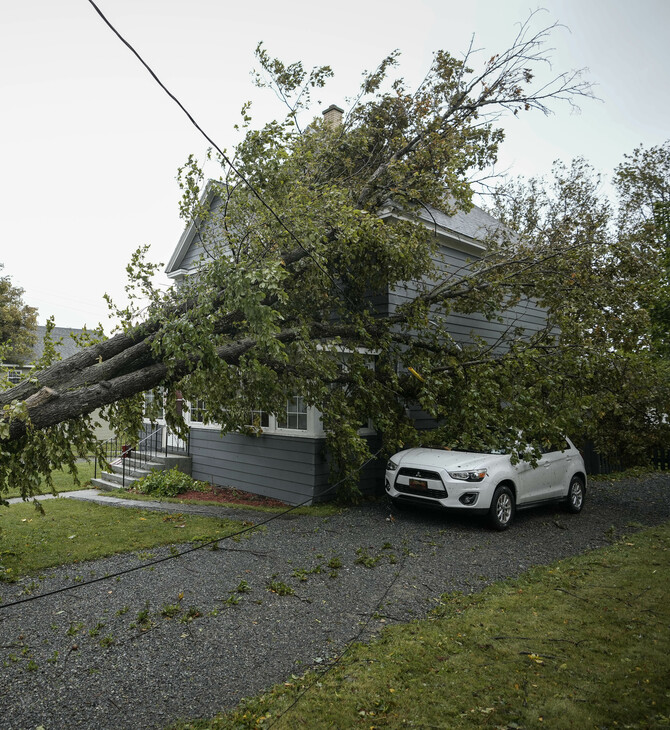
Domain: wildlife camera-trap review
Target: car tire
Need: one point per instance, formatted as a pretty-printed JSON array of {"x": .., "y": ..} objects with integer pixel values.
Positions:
[
  {"x": 576, "y": 495},
  {"x": 501, "y": 512}
]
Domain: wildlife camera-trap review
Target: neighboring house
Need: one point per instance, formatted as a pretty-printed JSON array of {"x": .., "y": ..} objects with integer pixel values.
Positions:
[
  {"x": 289, "y": 460},
  {"x": 63, "y": 342},
  {"x": 65, "y": 346}
]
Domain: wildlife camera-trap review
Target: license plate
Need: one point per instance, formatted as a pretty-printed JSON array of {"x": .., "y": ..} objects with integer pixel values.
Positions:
[{"x": 418, "y": 484}]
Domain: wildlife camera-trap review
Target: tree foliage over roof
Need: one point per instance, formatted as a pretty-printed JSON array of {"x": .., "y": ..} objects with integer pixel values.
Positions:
[{"x": 280, "y": 303}]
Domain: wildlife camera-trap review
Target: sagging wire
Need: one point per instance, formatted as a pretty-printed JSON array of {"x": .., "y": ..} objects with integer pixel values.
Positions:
[
  {"x": 201, "y": 546},
  {"x": 222, "y": 154}
]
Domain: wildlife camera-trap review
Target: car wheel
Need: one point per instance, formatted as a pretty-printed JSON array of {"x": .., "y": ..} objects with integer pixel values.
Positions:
[
  {"x": 501, "y": 512},
  {"x": 576, "y": 495}
]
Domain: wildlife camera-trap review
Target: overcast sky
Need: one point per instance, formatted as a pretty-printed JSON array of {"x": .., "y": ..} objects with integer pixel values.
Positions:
[{"x": 90, "y": 145}]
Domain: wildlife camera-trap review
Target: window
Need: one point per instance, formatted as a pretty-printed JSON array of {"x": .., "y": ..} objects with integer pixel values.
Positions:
[
  {"x": 198, "y": 411},
  {"x": 295, "y": 417},
  {"x": 15, "y": 376},
  {"x": 153, "y": 404},
  {"x": 259, "y": 419}
]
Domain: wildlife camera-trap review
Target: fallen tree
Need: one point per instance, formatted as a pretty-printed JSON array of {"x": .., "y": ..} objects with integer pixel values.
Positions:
[{"x": 280, "y": 303}]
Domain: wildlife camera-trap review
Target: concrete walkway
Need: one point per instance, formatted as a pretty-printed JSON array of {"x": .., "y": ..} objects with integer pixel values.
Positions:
[
  {"x": 101, "y": 497},
  {"x": 41, "y": 497}
]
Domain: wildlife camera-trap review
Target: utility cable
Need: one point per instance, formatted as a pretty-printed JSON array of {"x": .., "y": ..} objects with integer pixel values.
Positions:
[
  {"x": 224, "y": 157},
  {"x": 319, "y": 675},
  {"x": 201, "y": 546}
]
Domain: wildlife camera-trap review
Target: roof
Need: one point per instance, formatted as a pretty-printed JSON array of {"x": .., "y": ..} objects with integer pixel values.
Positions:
[
  {"x": 470, "y": 228},
  {"x": 65, "y": 347},
  {"x": 475, "y": 223},
  {"x": 465, "y": 230}
]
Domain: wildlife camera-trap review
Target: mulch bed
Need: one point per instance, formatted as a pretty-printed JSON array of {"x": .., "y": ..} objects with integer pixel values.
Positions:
[{"x": 232, "y": 496}]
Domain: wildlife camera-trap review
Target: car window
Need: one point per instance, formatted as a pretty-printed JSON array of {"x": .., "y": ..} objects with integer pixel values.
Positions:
[{"x": 551, "y": 448}]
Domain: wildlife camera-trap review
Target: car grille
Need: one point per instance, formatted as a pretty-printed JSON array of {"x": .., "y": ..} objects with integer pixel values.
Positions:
[
  {"x": 424, "y": 474},
  {"x": 419, "y": 474},
  {"x": 406, "y": 489}
]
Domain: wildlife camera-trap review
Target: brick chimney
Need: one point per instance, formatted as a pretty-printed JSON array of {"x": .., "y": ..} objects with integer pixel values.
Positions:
[{"x": 333, "y": 115}]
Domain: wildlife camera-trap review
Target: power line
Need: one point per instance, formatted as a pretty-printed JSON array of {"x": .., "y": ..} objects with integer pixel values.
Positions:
[
  {"x": 203, "y": 545},
  {"x": 224, "y": 157}
]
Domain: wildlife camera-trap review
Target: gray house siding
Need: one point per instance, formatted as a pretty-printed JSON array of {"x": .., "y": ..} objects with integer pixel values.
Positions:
[
  {"x": 294, "y": 470},
  {"x": 193, "y": 256},
  {"x": 290, "y": 469},
  {"x": 199, "y": 242},
  {"x": 463, "y": 326}
]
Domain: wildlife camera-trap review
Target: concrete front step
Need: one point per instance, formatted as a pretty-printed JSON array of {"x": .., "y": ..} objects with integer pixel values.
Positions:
[
  {"x": 165, "y": 462},
  {"x": 116, "y": 479},
  {"x": 110, "y": 481},
  {"x": 146, "y": 468},
  {"x": 104, "y": 485}
]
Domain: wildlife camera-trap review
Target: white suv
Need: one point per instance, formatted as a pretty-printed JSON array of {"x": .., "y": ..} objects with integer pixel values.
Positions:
[{"x": 486, "y": 483}]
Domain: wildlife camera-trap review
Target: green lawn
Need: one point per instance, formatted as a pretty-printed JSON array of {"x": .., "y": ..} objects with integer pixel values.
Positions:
[
  {"x": 584, "y": 643},
  {"x": 71, "y": 531},
  {"x": 63, "y": 480}
]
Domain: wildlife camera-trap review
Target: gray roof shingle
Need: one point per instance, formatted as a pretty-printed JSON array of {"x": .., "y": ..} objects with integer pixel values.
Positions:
[
  {"x": 475, "y": 223},
  {"x": 64, "y": 343}
]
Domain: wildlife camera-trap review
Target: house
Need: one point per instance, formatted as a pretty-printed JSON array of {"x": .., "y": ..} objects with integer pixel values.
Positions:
[
  {"x": 289, "y": 460},
  {"x": 66, "y": 346}
]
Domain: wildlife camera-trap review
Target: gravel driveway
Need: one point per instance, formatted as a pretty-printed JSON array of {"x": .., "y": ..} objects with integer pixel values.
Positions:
[{"x": 148, "y": 679}]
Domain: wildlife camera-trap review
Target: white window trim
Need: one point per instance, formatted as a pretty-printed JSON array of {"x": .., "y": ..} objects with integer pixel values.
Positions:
[
  {"x": 189, "y": 419},
  {"x": 158, "y": 421},
  {"x": 314, "y": 426},
  {"x": 368, "y": 430}
]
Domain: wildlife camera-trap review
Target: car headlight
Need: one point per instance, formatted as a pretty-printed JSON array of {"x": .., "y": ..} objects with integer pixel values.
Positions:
[
  {"x": 474, "y": 475},
  {"x": 391, "y": 465}
]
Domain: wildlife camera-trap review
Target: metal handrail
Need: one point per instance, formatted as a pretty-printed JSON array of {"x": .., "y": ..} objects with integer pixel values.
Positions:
[
  {"x": 111, "y": 451},
  {"x": 132, "y": 458},
  {"x": 136, "y": 457}
]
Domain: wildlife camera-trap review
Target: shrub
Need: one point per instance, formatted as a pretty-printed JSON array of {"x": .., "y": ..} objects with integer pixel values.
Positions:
[{"x": 166, "y": 483}]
